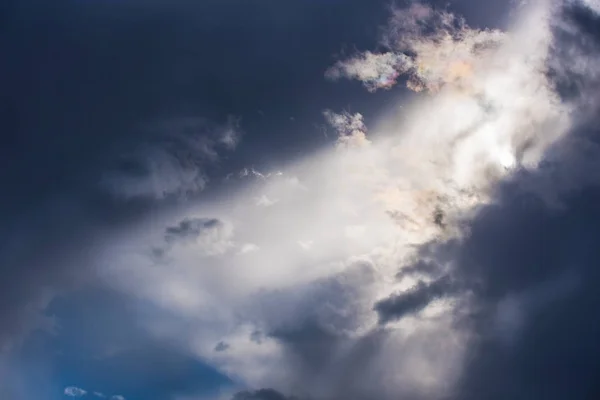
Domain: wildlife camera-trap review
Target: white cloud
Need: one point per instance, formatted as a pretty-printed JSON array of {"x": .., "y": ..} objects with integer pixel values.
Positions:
[
  {"x": 73, "y": 391},
  {"x": 351, "y": 128},
  {"x": 376, "y": 71},
  {"x": 433, "y": 48},
  {"x": 349, "y": 217}
]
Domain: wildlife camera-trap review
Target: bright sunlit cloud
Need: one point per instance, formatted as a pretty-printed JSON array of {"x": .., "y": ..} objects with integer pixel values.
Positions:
[{"x": 322, "y": 241}]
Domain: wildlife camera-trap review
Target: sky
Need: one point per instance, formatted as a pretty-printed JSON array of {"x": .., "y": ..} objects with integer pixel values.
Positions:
[{"x": 300, "y": 199}]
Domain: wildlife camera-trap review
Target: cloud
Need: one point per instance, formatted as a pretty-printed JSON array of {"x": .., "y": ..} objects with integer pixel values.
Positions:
[
  {"x": 420, "y": 262},
  {"x": 351, "y": 128},
  {"x": 261, "y": 394},
  {"x": 221, "y": 346},
  {"x": 362, "y": 287},
  {"x": 73, "y": 391},
  {"x": 190, "y": 229},
  {"x": 210, "y": 235},
  {"x": 414, "y": 299},
  {"x": 375, "y": 71},
  {"x": 431, "y": 47},
  {"x": 173, "y": 161}
]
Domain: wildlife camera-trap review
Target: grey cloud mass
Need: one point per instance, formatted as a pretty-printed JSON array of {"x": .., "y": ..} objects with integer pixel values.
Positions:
[
  {"x": 414, "y": 299},
  {"x": 190, "y": 229}
]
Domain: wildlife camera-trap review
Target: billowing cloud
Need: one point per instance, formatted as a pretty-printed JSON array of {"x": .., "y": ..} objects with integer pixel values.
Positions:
[
  {"x": 351, "y": 128},
  {"x": 357, "y": 282},
  {"x": 432, "y": 48},
  {"x": 420, "y": 258}
]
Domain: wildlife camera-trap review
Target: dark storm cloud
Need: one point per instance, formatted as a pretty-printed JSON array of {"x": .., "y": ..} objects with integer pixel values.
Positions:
[
  {"x": 529, "y": 265},
  {"x": 190, "y": 229},
  {"x": 414, "y": 299},
  {"x": 572, "y": 76},
  {"x": 534, "y": 276},
  {"x": 222, "y": 346},
  {"x": 534, "y": 268}
]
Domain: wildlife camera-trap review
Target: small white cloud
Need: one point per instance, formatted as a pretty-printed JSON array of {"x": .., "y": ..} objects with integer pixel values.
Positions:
[
  {"x": 265, "y": 201},
  {"x": 351, "y": 128},
  {"x": 101, "y": 395},
  {"x": 230, "y": 134},
  {"x": 375, "y": 71},
  {"x": 117, "y": 397},
  {"x": 74, "y": 391},
  {"x": 245, "y": 172}
]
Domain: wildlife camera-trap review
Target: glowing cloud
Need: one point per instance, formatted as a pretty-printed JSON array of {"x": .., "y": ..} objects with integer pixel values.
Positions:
[
  {"x": 323, "y": 262},
  {"x": 73, "y": 391},
  {"x": 433, "y": 48}
]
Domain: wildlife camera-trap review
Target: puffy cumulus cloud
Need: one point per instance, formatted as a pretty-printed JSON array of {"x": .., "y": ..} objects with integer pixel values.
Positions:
[
  {"x": 172, "y": 160},
  {"x": 73, "y": 391},
  {"x": 389, "y": 266},
  {"x": 432, "y": 47},
  {"x": 351, "y": 128},
  {"x": 376, "y": 71}
]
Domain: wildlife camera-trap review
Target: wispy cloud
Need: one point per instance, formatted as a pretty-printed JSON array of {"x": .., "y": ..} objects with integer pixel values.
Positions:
[
  {"x": 73, "y": 391},
  {"x": 173, "y": 161}
]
